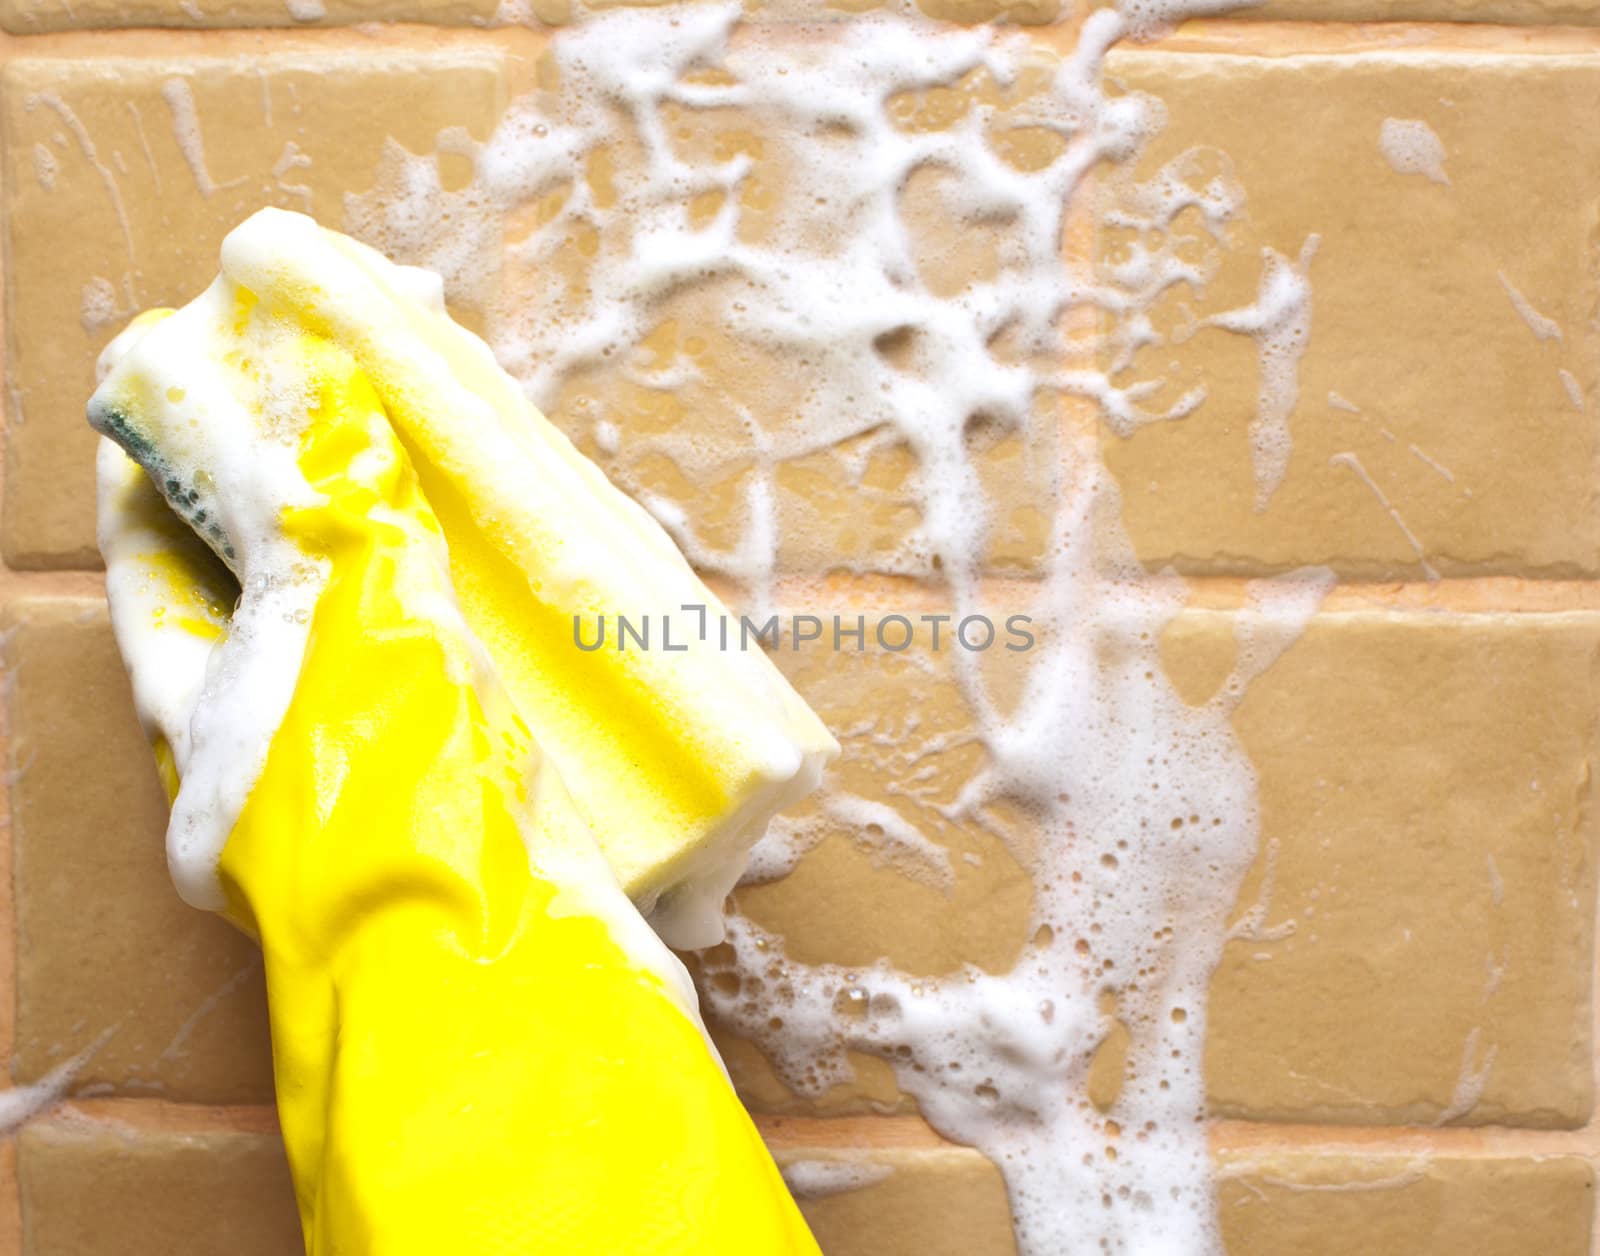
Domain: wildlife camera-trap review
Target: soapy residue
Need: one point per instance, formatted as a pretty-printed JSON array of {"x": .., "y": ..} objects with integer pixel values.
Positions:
[
  {"x": 1141, "y": 809},
  {"x": 179, "y": 97},
  {"x": 1542, "y": 327},
  {"x": 1256, "y": 1171},
  {"x": 817, "y": 1179},
  {"x": 217, "y": 710},
  {"x": 1570, "y": 385},
  {"x": 1476, "y": 1066},
  {"x": 1353, "y": 464},
  {"x": 1411, "y": 146},
  {"x": 100, "y": 307},
  {"x": 20, "y": 1104},
  {"x": 45, "y": 167},
  {"x": 1279, "y": 320}
]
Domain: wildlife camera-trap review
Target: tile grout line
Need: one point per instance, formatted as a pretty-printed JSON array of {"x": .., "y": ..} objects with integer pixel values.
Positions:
[
  {"x": 1467, "y": 595},
  {"x": 878, "y": 1132}
]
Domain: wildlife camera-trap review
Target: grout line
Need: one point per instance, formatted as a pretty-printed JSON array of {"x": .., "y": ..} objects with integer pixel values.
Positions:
[
  {"x": 223, "y": 41},
  {"x": 1485, "y": 1141},
  {"x": 1461, "y": 595},
  {"x": 15, "y": 585},
  {"x": 1219, "y": 36},
  {"x": 1265, "y": 38},
  {"x": 161, "y": 1115},
  {"x": 1226, "y": 1137},
  {"x": 866, "y": 1132},
  {"x": 1465, "y": 595},
  {"x": 873, "y": 1132}
]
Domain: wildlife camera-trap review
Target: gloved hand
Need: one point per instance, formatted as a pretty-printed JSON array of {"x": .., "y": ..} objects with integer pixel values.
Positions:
[{"x": 479, "y": 1045}]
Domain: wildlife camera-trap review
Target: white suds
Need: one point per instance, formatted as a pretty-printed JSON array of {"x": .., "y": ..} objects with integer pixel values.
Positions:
[
  {"x": 1495, "y": 966},
  {"x": 144, "y": 145},
  {"x": 1574, "y": 390},
  {"x": 45, "y": 167},
  {"x": 91, "y": 154},
  {"x": 1353, "y": 464},
  {"x": 179, "y": 97},
  {"x": 1426, "y": 461},
  {"x": 892, "y": 840},
  {"x": 1411, "y": 147},
  {"x": 306, "y": 10},
  {"x": 1475, "y": 1069},
  {"x": 781, "y": 847},
  {"x": 1542, "y": 328},
  {"x": 1252, "y": 925},
  {"x": 291, "y": 160},
  {"x": 817, "y": 1179},
  {"x": 822, "y": 289},
  {"x": 20, "y": 1104},
  {"x": 217, "y": 709},
  {"x": 1279, "y": 321},
  {"x": 178, "y": 1045},
  {"x": 880, "y": 831},
  {"x": 100, "y": 307}
]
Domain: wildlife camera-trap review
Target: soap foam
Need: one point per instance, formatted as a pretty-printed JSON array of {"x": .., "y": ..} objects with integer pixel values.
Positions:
[
  {"x": 1570, "y": 385},
  {"x": 1410, "y": 146},
  {"x": 1279, "y": 321},
  {"x": 179, "y": 98},
  {"x": 20, "y": 1104},
  {"x": 1142, "y": 807},
  {"x": 216, "y": 709},
  {"x": 45, "y": 167},
  {"x": 817, "y": 1179},
  {"x": 1542, "y": 327}
]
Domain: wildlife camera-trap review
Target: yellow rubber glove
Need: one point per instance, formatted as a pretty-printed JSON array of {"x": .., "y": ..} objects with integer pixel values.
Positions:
[{"x": 479, "y": 1046}]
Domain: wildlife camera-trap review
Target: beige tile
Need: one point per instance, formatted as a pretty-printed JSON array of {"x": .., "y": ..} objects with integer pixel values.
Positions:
[
  {"x": 1466, "y": 428},
  {"x": 10, "y": 1205},
  {"x": 1329, "y": 1204},
  {"x": 923, "y": 1202},
  {"x": 106, "y": 1190},
  {"x": 1427, "y": 881},
  {"x": 115, "y": 203},
  {"x": 28, "y": 17},
  {"x": 105, "y": 946}
]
